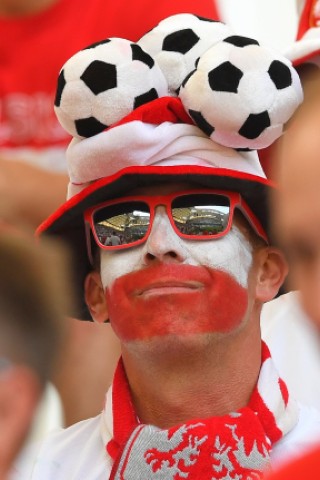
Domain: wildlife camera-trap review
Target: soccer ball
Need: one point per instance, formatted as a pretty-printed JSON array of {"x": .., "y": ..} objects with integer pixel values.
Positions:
[
  {"x": 241, "y": 93},
  {"x": 103, "y": 83},
  {"x": 177, "y": 42}
]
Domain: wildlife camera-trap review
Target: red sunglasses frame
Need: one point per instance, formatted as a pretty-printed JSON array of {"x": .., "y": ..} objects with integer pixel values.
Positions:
[{"x": 153, "y": 201}]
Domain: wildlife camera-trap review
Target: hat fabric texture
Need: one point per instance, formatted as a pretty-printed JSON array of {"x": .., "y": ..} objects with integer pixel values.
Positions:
[
  {"x": 306, "y": 48},
  {"x": 190, "y": 102}
]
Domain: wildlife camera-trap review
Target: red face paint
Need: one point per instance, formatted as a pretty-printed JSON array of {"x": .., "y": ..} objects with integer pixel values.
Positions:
[{"x": 175, "y": 299}]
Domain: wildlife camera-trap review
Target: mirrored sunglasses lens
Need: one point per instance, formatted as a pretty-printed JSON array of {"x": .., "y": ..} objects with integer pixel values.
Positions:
[
  {"x": 122, "y": 223},
  {"x": 201, "y": 214}
]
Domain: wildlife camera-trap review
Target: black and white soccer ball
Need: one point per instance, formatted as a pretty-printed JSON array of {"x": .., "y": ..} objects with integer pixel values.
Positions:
[
  {"x": 241, "y": 93},
  {"x": 103, "y": 83},
  {"x": 178, "y": 41}
]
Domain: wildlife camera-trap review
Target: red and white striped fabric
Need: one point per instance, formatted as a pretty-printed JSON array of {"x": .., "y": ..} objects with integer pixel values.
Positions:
[{"x": 237, "y": 444}]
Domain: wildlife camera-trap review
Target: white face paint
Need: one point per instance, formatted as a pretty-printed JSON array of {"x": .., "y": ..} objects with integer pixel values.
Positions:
[{"x": 231, "y": 253}]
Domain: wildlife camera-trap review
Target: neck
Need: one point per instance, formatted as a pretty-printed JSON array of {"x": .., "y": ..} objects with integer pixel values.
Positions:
[
  {"x": 21, "y": 8},
  {"x": 195, "y": 385}
]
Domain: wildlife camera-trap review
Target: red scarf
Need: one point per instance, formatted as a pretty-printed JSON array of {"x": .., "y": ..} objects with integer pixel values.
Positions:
[{"x": 230, "y": 447}]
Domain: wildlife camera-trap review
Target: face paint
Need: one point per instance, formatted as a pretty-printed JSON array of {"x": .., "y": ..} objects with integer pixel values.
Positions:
[
  {"x": 175, "y": 299},
  {"x": 205, "y": 293}
]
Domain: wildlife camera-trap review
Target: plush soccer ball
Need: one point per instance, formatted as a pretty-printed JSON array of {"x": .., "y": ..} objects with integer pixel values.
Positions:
[
  {"x": 241, "y": 94},
  {"x": 103, "y": 83},
  {"x": 177, "y": 42}
]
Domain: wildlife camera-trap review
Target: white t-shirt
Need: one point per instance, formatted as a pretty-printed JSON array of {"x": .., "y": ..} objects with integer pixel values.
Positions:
[{"x": 294, "y": 342}]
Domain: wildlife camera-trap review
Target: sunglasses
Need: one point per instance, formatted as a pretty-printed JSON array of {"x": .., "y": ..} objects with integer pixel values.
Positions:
[{"x": 193, "y": 214}]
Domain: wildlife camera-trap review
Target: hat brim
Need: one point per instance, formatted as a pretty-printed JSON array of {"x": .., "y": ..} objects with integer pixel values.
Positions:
[{"x": 67, "y": 222}]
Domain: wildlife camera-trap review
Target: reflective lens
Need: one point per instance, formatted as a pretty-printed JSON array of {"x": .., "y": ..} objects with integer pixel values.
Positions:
[
  {"x": 122, "y": 223},
  {"x": 201, "y": 214}
]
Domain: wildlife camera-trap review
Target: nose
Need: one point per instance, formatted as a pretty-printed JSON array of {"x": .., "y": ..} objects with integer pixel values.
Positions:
[{"x": 163, "y": 244}]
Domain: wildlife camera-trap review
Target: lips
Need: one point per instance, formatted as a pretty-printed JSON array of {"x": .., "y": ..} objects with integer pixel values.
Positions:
[
  {"x": 167, "y": 290},
  {"x": 168, "y": 286},
  {"x": 166, "y": 279}
]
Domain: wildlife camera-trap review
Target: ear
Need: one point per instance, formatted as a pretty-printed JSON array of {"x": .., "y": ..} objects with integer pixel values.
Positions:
[
  {"x": 95, "y": 297},
  {"x": 272, "y": 271},
  {"x": 20, "y": 392}
]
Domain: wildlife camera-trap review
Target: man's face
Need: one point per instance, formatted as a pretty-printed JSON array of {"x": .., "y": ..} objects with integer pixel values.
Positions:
[
  {"x": 170, "y": 286},
  {"x": 296, "y": 208}
]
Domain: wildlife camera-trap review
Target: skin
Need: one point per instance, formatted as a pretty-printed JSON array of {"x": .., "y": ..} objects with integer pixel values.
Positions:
[
  {"x": 20, "y": 393},
  {"x": 167, "y": 301},
  {"x": 296, "y": 206}
]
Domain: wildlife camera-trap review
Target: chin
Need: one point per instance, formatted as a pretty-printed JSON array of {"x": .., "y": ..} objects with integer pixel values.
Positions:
[{"x": 174, "y": 346}]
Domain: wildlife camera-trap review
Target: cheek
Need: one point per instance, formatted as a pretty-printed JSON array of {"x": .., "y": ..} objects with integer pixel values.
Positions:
[
  {"x": 117, "y": 264},
  {"x": 231, "y": 254}
]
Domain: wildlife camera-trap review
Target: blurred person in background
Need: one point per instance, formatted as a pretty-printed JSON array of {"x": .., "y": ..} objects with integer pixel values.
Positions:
[
  {"x": 38, "y": 36},
  {"x": 296, "y": 210},
  {"x": 33, "y": 296},
  {"x": 297, "y": 220},
  {"x": 297, "y": 228},
  {"x": 288, "y": 323}
]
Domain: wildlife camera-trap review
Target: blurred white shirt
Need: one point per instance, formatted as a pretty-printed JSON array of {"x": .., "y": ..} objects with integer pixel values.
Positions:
[{"x": 294, "y": 342}]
